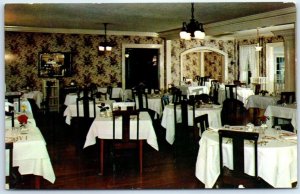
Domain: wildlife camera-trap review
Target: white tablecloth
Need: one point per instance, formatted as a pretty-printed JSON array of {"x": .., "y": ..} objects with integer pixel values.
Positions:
[
  {"x": 29, "y": 152},
  {"x": 36, "y": 95},
  {"x": 277, "y": 160},
  {"x": 192, "y": 90},
  {"x": 154, "y": 103},
  {"x": 116, "y": 92},
  {"x": 288, "y": 112},
  {"x": 242, "y": 94},
  {"x": 214, "y": 119},
  {"x": 102, "y": 127},
  {"x": 259, "y": 101},
  {"x": 70, "y": 99},
  {"x": 71, "y": 110}
]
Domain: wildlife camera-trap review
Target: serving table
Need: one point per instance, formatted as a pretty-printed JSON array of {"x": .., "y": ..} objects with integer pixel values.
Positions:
[
  {"x": 102, "y": 127},
  {"x": 214, "y": 118},
  {"x": 30, "y": 153},
  {"x": 277, "y": 157}
]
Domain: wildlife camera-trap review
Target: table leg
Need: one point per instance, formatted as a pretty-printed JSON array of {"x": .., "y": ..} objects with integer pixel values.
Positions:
[{"x": 101, "y": 156}]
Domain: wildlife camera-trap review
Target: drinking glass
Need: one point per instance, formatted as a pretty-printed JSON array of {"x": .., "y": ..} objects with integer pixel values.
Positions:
[{"x": 278, "y": 129}]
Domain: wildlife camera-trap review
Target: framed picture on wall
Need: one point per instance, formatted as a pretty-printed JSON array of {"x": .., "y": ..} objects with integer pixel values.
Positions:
[{"x": 55, "y": 64}]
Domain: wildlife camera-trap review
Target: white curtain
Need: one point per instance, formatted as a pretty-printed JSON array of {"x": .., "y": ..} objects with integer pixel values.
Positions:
[{"x": 247, "y": 59}]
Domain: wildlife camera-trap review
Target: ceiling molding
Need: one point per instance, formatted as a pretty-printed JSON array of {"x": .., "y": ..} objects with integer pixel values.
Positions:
[
  {"x": 272, "y": 18},
  {"x": 77, "y": 31}
]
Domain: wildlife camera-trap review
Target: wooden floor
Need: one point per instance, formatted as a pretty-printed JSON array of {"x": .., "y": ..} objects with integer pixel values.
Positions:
[{"x": 78, "y": 168}]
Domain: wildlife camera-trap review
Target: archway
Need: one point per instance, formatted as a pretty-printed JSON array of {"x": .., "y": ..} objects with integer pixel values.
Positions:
[{"x": 202, "y": 50}]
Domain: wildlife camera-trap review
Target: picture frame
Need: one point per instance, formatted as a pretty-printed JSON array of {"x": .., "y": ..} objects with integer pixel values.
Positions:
[{"x": 55, "y": 64}]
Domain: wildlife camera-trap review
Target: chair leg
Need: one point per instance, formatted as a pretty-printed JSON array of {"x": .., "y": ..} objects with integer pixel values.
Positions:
[
  {"x": 101, "y": 156},
  {"x": 141, "y": 156}
]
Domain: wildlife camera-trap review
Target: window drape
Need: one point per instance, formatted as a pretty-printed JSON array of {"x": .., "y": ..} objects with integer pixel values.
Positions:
[{"x": 247, "y": 61}]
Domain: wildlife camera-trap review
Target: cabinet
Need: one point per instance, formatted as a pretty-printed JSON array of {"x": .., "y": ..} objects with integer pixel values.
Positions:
[{"x": 51, "y": 93}]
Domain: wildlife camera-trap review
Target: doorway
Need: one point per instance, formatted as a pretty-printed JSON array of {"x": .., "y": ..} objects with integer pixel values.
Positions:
[
  {"x": 141, "y": 66},
  {"x": 139, "y": 57},
  {"x": 275, "y": 67}
]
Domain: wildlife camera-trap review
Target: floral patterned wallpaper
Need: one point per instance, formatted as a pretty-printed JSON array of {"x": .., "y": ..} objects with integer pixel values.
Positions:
[
  {"x": 213, "y": 65},
  {"x": 179, "y": 46},
  {"x": 191, "y": 65},
  {"x": 21, "y": 57}
]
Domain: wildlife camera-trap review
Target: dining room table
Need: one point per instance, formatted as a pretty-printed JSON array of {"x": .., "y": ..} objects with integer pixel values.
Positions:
[
  {"x": 36, "y": 95},
  {"x": 154, "y": 103},
  {"x": 277, "y": 156},
  {"x": 243, "y": 94},
  {"x": 30, "y": 152},
  {"x": 286, "y": 111},
  {"x": 71, "y": 110},
  {"x": 261, "y": 102},
  {"x": 193, "y": 90},
  {"x": 102, "y": 128},
  {"x": 167, "y": 121}
]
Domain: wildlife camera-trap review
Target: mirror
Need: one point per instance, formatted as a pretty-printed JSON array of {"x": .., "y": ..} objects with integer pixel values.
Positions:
[
  {"x": 204, "y": 61},
  {"x": 55, "y": 64}
]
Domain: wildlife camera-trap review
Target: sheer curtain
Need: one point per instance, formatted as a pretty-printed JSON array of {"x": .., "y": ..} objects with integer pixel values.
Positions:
[{"x": 247, "y": 59}]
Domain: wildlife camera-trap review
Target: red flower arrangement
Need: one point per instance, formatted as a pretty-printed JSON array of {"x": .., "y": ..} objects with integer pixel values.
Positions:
[{"x": 22, "y": 119}]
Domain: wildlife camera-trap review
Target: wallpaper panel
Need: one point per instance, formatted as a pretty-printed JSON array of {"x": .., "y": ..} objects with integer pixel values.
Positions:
[
  {"x": 179, "y": 46},
  {"x": 21, "y": 57}
]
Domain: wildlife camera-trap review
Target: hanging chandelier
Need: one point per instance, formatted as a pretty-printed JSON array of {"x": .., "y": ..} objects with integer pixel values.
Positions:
[
  {"x": 194, "y": 29},
  {"x": 258, "y": 47},
  {"x": 105, "y": 46}
]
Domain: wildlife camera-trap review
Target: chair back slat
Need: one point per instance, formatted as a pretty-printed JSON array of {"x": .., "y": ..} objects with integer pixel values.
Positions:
[{"x": 238, "y": 140}]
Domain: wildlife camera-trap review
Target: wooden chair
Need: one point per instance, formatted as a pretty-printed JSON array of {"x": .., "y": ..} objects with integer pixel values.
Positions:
[
  {"x": 110, "y": 93},
  {"x": 236, "y": 177},
  {"x": 200, "y": 124},
  {"x": 11, "y": 98},
  {"x": 164, "y": 101},
  {"x": 237, "y": 82},
  {"x": 82, "y": 123},
  {"x": 214, "y": 91},
  {"x": 205, "y": 98},
  {"x": 36, "y": 112},
  {"x": 126, "y": 143},
  {"x": 177, "y": 95},
  {"x": 182, "y": 130},
  {"x": 9, "y": 165},
  {"x": 233, "y": 112},
  {"x": 12, "y": 115},
  {"x": 141, "y": 98},
  {"x": 257, "y": 88},
  {"x": 230, "y": 91},
  {"x": 287, "y": 97},
  {"x": 202, "y": 81}
]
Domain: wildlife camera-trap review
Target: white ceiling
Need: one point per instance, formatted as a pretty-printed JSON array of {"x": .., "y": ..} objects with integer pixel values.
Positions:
[{"x": 129, "y": 17}]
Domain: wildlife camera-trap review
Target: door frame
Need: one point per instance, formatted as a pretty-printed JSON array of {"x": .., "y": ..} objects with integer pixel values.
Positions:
[{"x": 149, "y": 46}]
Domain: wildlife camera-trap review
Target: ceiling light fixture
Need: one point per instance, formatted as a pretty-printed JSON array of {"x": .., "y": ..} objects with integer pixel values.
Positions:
[
  {"x": 194, "y": 29},
  {"x": 105, "y": 46},
  {"x": 258, "y": 47}
]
